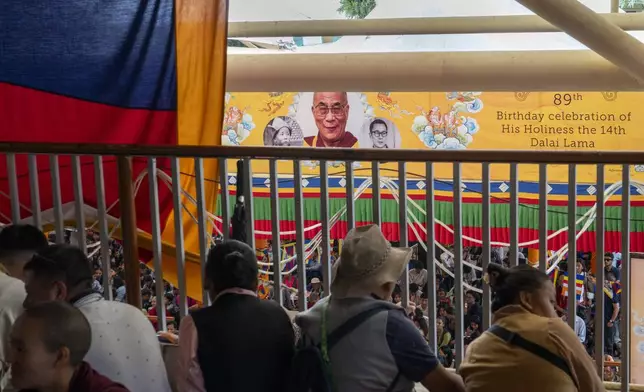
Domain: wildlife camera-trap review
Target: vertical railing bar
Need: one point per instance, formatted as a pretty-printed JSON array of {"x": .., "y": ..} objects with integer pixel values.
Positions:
[
  {"x": 157, "y": 255},
  {"x": 375, "y": 192},
  {"x": 57, "y": 199},
  {"x": 249, "y": 203},
  {"x": 402, "y": 226},
  {"x": 431, "y": 254},
  {"x": 458, "y": 264},
  {"x": 514, "y": 214},
  {"x": 599, "y": 271},
  {"x": 79, "y": 203},
  {"x": 103, "y": 228},
  {"x": 126, "y": 192},
  {"x": 13, "y": 188},
  {"x": 299, "y": 236},
  {"x": 351, "y": 218},
  {"x": 625, "y": 280},
  {"x": 225, "y": 198},
  {"x": 202, "y": 223},
  {"x": 276, "y": 248},
  {"x": 572, "y": 244},
  {"x": 34, "y": 191},
  {"x": 324, "y": 217},
  {"x": 543, "y": 217},
  {"x": 179, "y": 240},
  {"x": 487, "y": 246}
]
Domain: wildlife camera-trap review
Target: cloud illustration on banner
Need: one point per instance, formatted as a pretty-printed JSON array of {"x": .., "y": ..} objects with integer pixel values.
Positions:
[{"x": 452, "y": 130}]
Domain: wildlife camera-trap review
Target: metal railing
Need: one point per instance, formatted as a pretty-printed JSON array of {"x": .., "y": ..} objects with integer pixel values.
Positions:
[{"x": 130, "y": 182}]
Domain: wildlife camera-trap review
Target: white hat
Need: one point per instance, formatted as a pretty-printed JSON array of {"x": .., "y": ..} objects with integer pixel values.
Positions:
[
  {"x": 367, "y": 261},
  {"x": 315, "y": 280}
]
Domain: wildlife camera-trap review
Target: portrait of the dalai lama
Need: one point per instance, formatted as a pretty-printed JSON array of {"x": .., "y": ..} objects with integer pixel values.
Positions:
[{"x": 330, "y": 113}]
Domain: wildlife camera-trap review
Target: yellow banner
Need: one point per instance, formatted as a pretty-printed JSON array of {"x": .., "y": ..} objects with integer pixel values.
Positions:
[{"x": 556, "y": 121}]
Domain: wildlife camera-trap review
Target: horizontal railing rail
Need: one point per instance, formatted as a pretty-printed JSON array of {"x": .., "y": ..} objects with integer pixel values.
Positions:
[
  {"x": 414, "y": 26},
  {"x": 334, "y": 154}
]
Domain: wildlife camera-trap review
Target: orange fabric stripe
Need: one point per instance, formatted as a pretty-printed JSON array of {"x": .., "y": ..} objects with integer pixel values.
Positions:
[{"x": 201, "y": 35}]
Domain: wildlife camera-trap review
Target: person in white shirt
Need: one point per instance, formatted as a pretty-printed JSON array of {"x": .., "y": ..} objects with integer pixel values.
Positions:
[
  {"x": 125, "y": 347},
  {"x": 580, "y": 328},
  {"x": 448, "y": 260},
  {"x": 418, "y": 274},
  {"x": 18, "y": 244}
]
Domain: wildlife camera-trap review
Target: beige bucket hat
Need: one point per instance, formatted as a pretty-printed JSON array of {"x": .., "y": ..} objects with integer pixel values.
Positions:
[{"x": 366, "y": 263}]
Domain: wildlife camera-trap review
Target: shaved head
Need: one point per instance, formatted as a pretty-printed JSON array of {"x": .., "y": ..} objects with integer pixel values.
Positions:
[
  {"x": 47, "y": 339},
  {"x": 341, "y": 97}
]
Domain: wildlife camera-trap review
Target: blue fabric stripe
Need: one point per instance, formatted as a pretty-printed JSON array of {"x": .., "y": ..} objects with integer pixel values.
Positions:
[
  {"x": 439, "y": 185},
  {"x": 117, "y": 52}
]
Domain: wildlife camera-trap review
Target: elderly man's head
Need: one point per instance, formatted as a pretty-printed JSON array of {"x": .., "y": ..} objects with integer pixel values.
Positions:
[
  {"x": 331, "y": 111},
  {"x": 48, "y": 342}
]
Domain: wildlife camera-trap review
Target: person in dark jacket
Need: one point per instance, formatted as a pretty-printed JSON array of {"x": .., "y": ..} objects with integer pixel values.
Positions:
[
  {"x": 239, "y": 343},
  {"x": 48, "y": 344}
]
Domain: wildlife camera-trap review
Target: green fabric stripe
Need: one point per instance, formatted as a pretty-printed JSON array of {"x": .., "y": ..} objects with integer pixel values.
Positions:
[{"x": 472, "y": 213}]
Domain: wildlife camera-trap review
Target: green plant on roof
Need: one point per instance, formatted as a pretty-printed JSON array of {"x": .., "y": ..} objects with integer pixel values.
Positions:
[{"x": 356, "y": 9}]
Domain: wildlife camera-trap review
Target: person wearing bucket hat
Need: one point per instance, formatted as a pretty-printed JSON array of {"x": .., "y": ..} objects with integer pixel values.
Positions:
[{"x": 370, "y": 344}]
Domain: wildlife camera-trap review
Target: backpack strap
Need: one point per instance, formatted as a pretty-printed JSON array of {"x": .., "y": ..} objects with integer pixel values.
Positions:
[
  {"x": 515, "y": 339},
  {"x": 354, "y": 322}
]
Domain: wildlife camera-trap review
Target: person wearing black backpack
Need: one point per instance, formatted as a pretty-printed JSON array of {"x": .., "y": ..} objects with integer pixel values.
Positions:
[{"x": 356, "y": 341}]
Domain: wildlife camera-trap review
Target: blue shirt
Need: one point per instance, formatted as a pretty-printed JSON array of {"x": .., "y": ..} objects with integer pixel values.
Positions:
[
  {"x": 120, "y": 294},
  {"x": 413, "y": 356}
]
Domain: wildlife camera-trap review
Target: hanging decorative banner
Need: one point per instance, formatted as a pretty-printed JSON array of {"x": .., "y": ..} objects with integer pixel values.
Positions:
[{"x": 556, "y": 121}]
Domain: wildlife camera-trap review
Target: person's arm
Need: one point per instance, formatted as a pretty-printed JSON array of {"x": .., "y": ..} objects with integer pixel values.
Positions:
[
  {"x": 613, "y": 317},
  {"x": 442, "y": 380},
  {"x": 190, "y": 378},
  {"x": 414, "y": 358}
]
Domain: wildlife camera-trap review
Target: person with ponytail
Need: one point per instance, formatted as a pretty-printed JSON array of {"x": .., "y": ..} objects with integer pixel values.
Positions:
[
  {"x": 239, "y": 343},
  {"x": 527, "y": 348}
]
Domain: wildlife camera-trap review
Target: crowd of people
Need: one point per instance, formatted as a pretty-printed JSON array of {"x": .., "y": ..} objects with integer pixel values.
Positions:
[{"x": 58, "y": 332}]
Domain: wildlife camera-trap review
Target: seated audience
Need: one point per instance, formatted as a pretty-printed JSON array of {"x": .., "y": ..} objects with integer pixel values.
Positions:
[
  {"x": 384, "y": 352},
  {"x": 125, "y": 347},
  {"x": 219, "y": 343},
  {"x": 18, "y": 243},
  {"x": 528, "y": 348},
  {"x": 48, "y": 344}
]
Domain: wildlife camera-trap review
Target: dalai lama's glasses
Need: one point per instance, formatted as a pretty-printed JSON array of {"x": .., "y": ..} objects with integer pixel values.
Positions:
[{"x": 337, "y": 110}]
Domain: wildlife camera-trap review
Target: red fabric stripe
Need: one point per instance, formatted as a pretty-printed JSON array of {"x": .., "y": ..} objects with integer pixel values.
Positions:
[
  {"x": 35, "y": 116},
  {"x": 493, "y": 200},
  {"x": 586, "y": 242}
]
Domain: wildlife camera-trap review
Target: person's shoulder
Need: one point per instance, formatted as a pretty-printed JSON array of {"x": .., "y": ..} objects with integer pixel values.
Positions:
[
  {"x": 398, "y": 322},
  {"x": 561, "y": 333},
  {"x": 272, "y": 307},
  {"x": 104, "y": 310},
  {"x": 10, "y": 286}
]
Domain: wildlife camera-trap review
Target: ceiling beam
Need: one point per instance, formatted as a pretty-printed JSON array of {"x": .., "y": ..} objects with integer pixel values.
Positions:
[
  {"x": 414, "y": 26},
  {"x": 575, "y": 70},
  {"x": 594, "y": 31}
]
